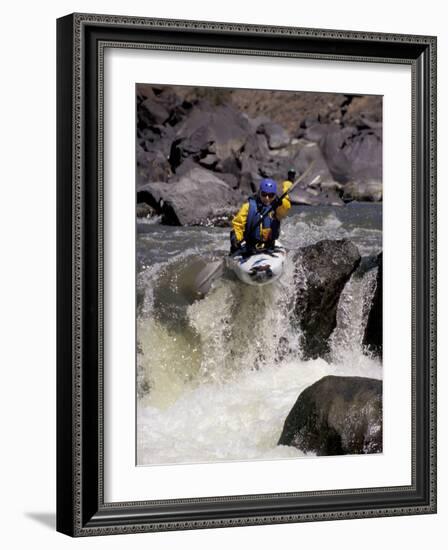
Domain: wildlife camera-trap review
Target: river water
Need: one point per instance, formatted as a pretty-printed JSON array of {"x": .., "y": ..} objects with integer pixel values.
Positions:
[{"x": 217, "y": 376}]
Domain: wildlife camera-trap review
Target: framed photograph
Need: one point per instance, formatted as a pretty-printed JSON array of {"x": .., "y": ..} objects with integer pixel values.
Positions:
[{"x": 246, "y": 275}]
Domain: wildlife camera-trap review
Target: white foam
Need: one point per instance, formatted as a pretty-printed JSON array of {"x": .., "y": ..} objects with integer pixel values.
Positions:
[{"x": 238, "y": 420}]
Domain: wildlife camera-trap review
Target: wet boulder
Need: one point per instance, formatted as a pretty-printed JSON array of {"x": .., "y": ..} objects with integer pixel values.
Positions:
[
  {"x": 321, "y": 272},
  {"x": 337, "y": 415},
  {"x": 373, "y": 335},
  {"x": 196, "y": 198}
]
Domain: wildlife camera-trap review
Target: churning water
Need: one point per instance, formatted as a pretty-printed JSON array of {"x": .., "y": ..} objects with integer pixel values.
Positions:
[{"x": 218, "y": 376}]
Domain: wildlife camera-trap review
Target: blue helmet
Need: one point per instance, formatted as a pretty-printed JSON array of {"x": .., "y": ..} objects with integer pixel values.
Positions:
[{"x": 268, "y": 186}]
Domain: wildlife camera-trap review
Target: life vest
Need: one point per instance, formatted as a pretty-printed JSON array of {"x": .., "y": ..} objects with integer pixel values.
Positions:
[{"x": 252, "y": 233}]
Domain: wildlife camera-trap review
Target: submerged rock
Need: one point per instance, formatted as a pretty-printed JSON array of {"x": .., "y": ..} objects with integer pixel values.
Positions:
[
  {"x": 322, "y": 270},
  {"x": 337, "y": 415}
]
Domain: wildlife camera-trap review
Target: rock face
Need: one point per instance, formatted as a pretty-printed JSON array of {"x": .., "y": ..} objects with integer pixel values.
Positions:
[
  {"x": 373, "y": 336},
  {"x": 322, "y": 271},
  {"x": 337, "y": 415}
]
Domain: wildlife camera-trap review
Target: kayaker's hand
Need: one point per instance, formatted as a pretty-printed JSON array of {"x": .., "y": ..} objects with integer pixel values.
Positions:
[
  {"x": 276, "y": 203},
  {"x": 234, "y": 243}
]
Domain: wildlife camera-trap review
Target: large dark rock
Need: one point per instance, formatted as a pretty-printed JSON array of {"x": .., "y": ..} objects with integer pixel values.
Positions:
[
  {"x": 151, "y": 166},
  {"x": 257, "y": 161},
  {"x": 196, "y": 198},
  {"x": 153, "y": 112},
  {"x": 277, "y": 136},
  {"x": 373, "y": 336},
  {"x": 157, "y": 139},
  {"x": 337, "y": 415},
  {"x": 256, "y": 147},
  {"x": 319, "y": 175},
  {"x": 321, "y": 272},
  {"x": 351, "y": 153},
  {"x": 159, "y": 105},
  {"x": 219, "y": 130},
  {"x": 364, "y": 111},
  {"x": 354, "y": 155}
]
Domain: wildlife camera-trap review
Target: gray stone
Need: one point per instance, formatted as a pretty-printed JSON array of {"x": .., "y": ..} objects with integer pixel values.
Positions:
[
  {"x": 370, "y": 191},
  {"x": 277, "y": 136},
  {"x": 322, "y": 270},
  {"x": 195, "y": 198},
  {"x": 320, "y": 173},
  {"x": 337, "y": 415}
]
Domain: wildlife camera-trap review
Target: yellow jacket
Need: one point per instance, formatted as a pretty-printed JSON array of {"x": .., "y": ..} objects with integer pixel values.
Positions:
[{"x": 239, "y": 221}]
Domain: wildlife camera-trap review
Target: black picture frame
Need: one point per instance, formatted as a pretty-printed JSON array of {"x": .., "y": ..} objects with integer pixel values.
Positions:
[{"x": 81, "y": 509}]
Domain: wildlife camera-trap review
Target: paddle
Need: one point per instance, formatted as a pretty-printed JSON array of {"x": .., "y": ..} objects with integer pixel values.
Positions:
[{"x": 211, "y": 272}]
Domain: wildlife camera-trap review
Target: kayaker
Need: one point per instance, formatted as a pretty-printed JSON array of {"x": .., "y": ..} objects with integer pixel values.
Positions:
[
  {"x": 247, "y": 227},
  {"x": 291, "y": 176}
]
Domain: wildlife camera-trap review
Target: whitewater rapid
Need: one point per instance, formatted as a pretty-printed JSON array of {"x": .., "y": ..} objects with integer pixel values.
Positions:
[
  {"x": 238, "y": 420},
  {"x": 217, "y": 377}
]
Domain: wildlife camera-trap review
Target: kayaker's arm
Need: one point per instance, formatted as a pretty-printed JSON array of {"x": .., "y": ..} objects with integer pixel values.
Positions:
[
  {"x": 283, "y": 208},
  {"x": 239, "y": 222}
]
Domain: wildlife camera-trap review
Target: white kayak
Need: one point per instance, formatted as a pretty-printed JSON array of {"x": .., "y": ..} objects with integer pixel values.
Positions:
[{"x": 261, "y": 268}]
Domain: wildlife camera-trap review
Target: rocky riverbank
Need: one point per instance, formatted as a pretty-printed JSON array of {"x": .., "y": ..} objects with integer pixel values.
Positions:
[{"x": 201, "y": 152}]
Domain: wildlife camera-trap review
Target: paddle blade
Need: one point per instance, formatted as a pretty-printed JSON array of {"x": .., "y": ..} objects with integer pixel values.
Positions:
[{"x": 206, "y": 277}]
